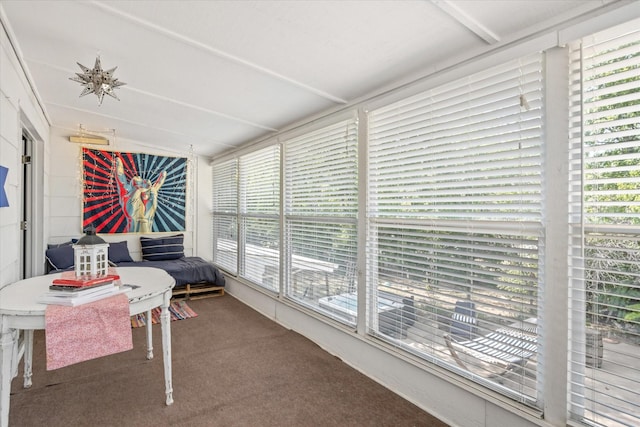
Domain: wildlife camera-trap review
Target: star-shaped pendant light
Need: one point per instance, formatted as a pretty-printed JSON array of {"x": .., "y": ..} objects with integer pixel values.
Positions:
[{"x": 97, "y": 81}]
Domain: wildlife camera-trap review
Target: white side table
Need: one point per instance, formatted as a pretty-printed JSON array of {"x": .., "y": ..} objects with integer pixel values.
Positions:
[{"x": 20, "y": 311}]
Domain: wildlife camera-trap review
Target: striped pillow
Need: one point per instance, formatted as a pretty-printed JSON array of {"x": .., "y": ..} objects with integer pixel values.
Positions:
[{"x": 162, "y": 248}]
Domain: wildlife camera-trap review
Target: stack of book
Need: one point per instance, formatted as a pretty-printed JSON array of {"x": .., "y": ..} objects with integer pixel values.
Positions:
[{"x": 70, "y": 290}]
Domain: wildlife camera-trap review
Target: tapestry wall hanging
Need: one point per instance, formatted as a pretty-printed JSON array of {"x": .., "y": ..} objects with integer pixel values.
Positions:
[{"x": 133, "y": 192}]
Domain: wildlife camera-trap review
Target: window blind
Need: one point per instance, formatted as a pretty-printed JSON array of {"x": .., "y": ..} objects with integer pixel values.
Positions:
[
  {"x": 321, "y": 205},
  {"x": 605, "y": 215},
  {"x": 225, "y": 211},
  {"x": 454, "y": 215},
  {"x": 260, "y": 216}
]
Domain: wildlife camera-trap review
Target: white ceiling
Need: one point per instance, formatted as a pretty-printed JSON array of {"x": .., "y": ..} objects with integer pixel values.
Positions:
[{"x": 216, "y": 74}]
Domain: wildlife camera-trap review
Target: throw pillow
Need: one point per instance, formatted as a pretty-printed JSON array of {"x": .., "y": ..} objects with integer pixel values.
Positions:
[
  {"x": 119, "y": 252},
  {"x": 58, "y": 245},
  {"x": 61, "y": 257},
  {"x": 162, "y": 248}
]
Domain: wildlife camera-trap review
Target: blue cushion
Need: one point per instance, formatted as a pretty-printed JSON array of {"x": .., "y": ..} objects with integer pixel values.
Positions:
[
  {"x": 119, "y": 252},
  {"x": 60, "y": 257},
  {"x": 162, "y": 248}
]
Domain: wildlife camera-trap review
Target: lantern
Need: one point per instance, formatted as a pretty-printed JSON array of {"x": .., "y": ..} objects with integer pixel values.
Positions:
[{"x": 91, "y": 255}]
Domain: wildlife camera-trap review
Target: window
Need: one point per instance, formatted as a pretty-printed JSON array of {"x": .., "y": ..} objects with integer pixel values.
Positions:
[
  {"x": 321, "y": 206},
  {"x": 457, "y": 253},
  {"x": 455, "y": 220},
  {"x": 225, "y": 211},
  {"x": 260, "y": 217},
  {"x": 605, "y": 217}
]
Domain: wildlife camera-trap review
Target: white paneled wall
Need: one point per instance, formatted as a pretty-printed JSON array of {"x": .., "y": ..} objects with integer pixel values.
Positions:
[
  {"x": 9, "y": 216},
  {"x": 18, "y": 109}
]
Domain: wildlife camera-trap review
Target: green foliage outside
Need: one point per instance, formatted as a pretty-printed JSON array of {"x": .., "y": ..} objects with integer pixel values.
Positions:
[{"x": 612, "y": 190}]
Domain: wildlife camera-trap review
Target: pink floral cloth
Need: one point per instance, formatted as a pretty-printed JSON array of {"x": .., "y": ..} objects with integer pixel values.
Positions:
[{"x": 88, "y": 331}]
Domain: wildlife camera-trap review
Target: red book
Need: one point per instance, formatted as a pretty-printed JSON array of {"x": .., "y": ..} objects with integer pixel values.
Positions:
[{"x": 68, "y": 278}]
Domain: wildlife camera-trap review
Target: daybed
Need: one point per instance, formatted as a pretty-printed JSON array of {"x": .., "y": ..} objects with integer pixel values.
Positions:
[{"x": 195, "y": 277}]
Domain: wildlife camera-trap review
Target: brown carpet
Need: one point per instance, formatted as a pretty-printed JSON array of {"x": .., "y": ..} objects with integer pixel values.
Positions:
[{"x": 231, "y": 367}]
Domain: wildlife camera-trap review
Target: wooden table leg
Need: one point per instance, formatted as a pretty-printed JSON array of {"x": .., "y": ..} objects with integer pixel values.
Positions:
[
  {"x": 28, "y": 357},
  {"x": 149, "y": 336},
  {"x": 165, "y": 323},
  {"x": 7, "y": 342}
]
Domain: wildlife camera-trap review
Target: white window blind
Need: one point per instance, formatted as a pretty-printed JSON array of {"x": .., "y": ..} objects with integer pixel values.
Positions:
[
  {"x": 605, "y": 215},
  {"x": 260, "y": 216},
  {"x": 225, "y": 215},
  {"x": 455, "y": 231},
  {"x": 321, "y": 206}
]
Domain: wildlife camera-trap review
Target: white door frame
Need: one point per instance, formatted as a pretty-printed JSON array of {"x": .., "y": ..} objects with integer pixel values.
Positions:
[{"x": 31, "y": 206}]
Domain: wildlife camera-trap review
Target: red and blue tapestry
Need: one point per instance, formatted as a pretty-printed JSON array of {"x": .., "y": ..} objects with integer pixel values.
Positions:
[{"x": 133, "y": 192}]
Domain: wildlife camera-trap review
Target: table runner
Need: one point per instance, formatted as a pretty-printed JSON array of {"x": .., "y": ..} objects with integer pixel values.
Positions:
[{"x": 88, "y": 331}]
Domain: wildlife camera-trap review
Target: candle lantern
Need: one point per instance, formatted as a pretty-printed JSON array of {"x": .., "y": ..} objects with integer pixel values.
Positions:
[{"x": 91, "y": 255}]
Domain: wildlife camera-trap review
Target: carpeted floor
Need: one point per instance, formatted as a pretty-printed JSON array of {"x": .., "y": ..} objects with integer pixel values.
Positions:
[{"x": 231, "y": 367}]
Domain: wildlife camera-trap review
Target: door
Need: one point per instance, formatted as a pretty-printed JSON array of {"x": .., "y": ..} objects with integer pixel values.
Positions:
[{"x": 26, "y": 238}]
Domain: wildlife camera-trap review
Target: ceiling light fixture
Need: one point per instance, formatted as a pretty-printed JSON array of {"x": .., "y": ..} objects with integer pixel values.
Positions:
[{"x": 97, "y": 81}]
